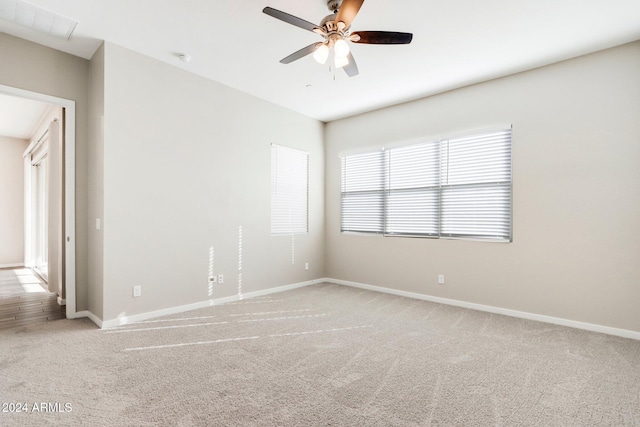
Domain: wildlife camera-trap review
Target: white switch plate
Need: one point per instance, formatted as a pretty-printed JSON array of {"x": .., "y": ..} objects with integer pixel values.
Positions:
[
  {"x": 220, "y": 278},
  {"x": 441, "y": 279},
  {"x": 137, "y": 291},
  {"x": 97, "y": 223},
  {"x": 306, "y": 266}
]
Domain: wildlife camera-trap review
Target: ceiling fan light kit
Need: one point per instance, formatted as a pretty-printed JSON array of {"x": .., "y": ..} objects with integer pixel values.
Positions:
[
  {"x": 335, "y": 30},
  {"x": 341, "y": 47},
  {"x": 322, "y": 53}
]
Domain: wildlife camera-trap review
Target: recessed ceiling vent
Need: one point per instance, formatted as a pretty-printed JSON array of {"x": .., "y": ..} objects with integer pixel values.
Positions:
[{"x": 28, "y": 15}]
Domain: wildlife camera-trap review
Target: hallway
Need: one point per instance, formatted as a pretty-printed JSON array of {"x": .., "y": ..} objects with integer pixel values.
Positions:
[{"x": 24, "y": 299}]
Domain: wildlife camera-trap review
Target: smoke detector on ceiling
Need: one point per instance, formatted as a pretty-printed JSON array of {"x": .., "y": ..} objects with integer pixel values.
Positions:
[{"x": 37, "y": 19}]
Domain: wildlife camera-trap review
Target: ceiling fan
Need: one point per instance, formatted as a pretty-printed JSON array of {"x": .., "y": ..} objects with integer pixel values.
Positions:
[{"x": 335, "y": 30}]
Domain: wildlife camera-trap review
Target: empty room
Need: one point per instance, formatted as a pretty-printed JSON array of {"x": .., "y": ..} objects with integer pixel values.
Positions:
[{"x": 343, "y": 212}]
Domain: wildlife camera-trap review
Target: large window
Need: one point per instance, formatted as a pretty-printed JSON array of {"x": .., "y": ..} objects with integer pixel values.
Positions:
[
  {"x": 456, "y": 188},
  {"x": 289, "y": 190}
]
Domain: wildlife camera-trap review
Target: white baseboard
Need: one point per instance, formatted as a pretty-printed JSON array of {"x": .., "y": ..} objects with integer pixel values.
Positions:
[
  {"x": 62, "y": 301},
  {"x": 497, "y": 310},
  {"x": 11, "y": 265},
  {"x": 125, "y": 320},
  {"x": 90, "y": 315}
]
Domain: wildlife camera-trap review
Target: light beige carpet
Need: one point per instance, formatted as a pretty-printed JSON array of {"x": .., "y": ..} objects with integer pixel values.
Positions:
[{"x": 323, "y": 355}]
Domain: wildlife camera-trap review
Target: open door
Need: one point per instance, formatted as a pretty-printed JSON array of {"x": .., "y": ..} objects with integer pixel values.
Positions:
[{"x": 44, "y": 191}]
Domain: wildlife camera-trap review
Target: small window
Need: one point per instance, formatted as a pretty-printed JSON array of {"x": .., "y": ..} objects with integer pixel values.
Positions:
[
  {"x": 289, "y": 191},
  {"x": 453, "y": 188}
]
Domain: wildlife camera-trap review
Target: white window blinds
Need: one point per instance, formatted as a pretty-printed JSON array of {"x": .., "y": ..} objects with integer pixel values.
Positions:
[
  {"x": 456, "y": 188},
  {"x": 476, "y": 186},
  {"x": 363, "y": 193},
  {"x": 289, "y": 190},
  {"x": 413, "y": 186}
]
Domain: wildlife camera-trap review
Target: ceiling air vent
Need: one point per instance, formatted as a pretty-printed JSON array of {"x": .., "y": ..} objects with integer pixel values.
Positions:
[{"x": 28, "y": 15}]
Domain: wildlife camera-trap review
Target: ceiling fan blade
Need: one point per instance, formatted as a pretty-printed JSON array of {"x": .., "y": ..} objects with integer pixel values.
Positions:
[
  {"x": 301, "y": 53},
  {"x": 290, "y": 19},
  {"x": 351, "y": 68},
  {"x": 348, "y": 11},
  {"x": 381, "y": 37}
]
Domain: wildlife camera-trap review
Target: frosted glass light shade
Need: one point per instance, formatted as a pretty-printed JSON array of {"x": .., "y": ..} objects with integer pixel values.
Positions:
[
  {"x": 321, "y": 54},
  {"x": 342, "y": 48}
]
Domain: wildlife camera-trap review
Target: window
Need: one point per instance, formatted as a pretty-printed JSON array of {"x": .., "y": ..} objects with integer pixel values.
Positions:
[
  {"x": 289, "y": 190},
  {"x": 455, "y": 188},
  {"x": 413, "y": 190},
  {"x": 363, "y": 193}
]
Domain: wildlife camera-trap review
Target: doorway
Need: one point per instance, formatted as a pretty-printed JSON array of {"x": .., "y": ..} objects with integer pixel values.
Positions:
[
  {"x": 42, "y": 208},
  {"x": 44, "y": 195}
]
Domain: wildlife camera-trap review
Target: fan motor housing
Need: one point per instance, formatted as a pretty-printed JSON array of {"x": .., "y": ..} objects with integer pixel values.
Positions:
[{"x": 328, "y": 18}]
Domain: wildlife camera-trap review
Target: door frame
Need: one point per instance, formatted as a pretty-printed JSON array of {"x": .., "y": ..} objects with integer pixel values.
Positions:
[
  {"x": 69, "y": 115},
  {"x": 40, "y": 215}
]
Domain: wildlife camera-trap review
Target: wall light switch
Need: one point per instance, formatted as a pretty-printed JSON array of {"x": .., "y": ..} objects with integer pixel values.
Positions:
[
  {"x": 137, "y": 291},
  {"x": 441, "y": 279},
  {"x": 306, "y": 266},
  {"x": 98, "y": 226}
]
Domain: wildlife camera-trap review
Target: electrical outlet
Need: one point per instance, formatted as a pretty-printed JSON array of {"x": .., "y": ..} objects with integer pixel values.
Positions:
[
  {"x": 441, "y": 279},
  {"x": 137, "y": 291},
  {"x": 220, "y": 278},
  {"x": 306, "y": 266},
  {"x": 212, "y": 279}
]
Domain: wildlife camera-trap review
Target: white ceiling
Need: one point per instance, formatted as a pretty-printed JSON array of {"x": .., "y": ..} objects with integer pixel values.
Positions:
[
  {"x": 19, "y": 116},
  {"x": 456, "y": 43}
]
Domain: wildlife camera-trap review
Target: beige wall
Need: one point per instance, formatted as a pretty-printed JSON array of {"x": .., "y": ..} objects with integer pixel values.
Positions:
[
  {"x": 186, "y": 163},
  {"x": 95, "y": 205},
  {"x": 576, "y": 191},
  {"x": 36, "y": 68},
  {"x": 12, "y": 201}
]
